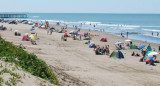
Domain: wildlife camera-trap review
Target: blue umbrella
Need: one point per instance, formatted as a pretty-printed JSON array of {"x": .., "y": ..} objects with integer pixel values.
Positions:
[
  {"x": 141, "y": 47},
  {"x": 32, "y": 29}
]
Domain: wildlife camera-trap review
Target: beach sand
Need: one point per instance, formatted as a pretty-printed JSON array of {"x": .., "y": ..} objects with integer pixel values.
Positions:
[{"x": 77, "y": 65}]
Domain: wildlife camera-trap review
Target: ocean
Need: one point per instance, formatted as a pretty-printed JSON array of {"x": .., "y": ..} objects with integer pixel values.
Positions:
[{"x": 139, "y": 26}]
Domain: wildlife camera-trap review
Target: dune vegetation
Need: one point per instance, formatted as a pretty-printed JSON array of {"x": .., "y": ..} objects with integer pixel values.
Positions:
[{"x": 27, "y": 61}]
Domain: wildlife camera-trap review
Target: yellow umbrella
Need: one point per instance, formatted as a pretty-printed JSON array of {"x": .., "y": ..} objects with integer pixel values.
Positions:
[{"x": 32, "y": 37}]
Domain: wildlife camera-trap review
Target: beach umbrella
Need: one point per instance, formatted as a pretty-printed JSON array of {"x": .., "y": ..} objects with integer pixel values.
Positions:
[
  {"x": 141, "y": 47},
  {"x": 153, "y": 53},
  {"x": 71, "y": 32},
  {"x": 118, "y": 43},
  {"x": 128, "y": 40},
  {"x": 80, "y": 34},
  {"x": 32, "y": 37}
]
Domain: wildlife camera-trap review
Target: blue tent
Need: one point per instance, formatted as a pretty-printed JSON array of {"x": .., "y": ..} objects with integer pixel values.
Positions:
[
  {"x": 92, "y": 45},
  {"x": 117, "y": 54}
]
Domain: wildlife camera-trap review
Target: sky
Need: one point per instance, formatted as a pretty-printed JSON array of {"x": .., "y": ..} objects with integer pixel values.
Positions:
[{"x": 81, "y": 6}]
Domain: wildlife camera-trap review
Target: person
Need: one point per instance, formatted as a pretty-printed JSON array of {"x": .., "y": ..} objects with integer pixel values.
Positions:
[
  {"x": 51, "y": 30},
  {"x": 47, "y": 24},
  {"x": 107, "y": 50},
  {"x": 33, "y": 42},
  {"x": 133, "y": 54},
  {"x": 152, "y": 33},
  {"x": 103, "y": 50},
  {"x": 121, "y": 34},
  {"x": 151, "y": 60},
  {"x": 143, "y": 55},
  {"x": 80, "y": 37},
  {"x": 94, "y": 25},
  {"x": 127, "y": 34},
  {"x": 159, "y": 48},
  {"x": 157, "y": 33}
]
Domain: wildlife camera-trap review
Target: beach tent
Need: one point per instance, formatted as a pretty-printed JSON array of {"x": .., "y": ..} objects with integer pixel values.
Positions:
[
  {"x": 117, "y": 54},
  {"x": 132, "y": 46},
  {"x": 87, "y": 38},
  {"x": 25, "y": 38},
  {"x": 59, "y": 31},
  {"x": 149, "y": 50},
  {"x": 103, "y": 40},
  {"x": 32, "y": 37},
  {"x": 92, "y": 45}
]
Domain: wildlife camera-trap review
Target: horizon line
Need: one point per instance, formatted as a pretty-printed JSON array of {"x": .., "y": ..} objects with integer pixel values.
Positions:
[{"x": 81, "y": 12}]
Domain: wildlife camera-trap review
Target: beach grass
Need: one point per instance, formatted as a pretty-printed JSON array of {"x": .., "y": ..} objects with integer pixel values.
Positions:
[{"x": 27, "y": 61}]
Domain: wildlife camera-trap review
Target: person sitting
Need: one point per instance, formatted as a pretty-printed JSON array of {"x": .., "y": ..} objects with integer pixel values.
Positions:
[
  {"x": 17, "y": 34},
  {"x": 137, "y": 54},
  {"x": 87, "y": 42},
  {"x": 33, "y": 42},
  {"x": 107, "y": 50},
  {"x": 63, "y": 38},
  {"x": 133, "y": 54},
  {"x": 103, "y": 50},
  {"x": 150, "y": 60}
]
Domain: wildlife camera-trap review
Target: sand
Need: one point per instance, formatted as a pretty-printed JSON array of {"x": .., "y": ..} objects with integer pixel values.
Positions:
[
  {"x": 77, "y": 65},
  {"x": 26, "y": 79}
]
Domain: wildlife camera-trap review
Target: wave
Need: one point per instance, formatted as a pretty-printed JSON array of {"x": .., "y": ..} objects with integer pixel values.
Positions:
[
  {"x": 35, "y": 16},
  {"x": 151, "y": 30}
]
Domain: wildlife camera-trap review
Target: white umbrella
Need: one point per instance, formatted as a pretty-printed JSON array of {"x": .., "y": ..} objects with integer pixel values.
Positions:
[
  {"x": 118, "y": 43},
  {"x": 152, "y": 53},
  {"x": 128, "y": 40},
  {"x": 71, "y": 32}
]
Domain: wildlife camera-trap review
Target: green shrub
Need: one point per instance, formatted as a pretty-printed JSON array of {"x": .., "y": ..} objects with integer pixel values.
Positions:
[{"x": 27, "y": 61}]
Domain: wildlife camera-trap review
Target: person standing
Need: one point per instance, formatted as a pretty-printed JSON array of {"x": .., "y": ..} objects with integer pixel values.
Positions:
[
  {"x": 127, "y": 34},
  {"x": 152, "y": 33},
  {"x": 157, "y": 33}
]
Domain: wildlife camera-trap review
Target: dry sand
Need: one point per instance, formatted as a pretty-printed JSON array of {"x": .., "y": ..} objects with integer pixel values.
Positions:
[
  {"x": 77, "y": 65},
  {"x": 25, "y": 79}
]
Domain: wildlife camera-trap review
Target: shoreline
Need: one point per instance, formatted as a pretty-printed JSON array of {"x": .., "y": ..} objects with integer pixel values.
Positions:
[{"x": 78, "y": 65}]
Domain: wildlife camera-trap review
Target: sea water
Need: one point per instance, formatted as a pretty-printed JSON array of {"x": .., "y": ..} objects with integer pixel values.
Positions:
[{"x": 139, "y": 26}]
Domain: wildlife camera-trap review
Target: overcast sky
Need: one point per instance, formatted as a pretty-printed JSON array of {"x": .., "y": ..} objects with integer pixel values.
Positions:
[{"x": 81, "y": 6}]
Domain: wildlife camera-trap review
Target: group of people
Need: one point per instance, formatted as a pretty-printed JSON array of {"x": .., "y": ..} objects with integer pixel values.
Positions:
[
  {"x": 102, "y": 50},
  {"x": 3, "y": 28},
  {"x": 157, "y": 33}
]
